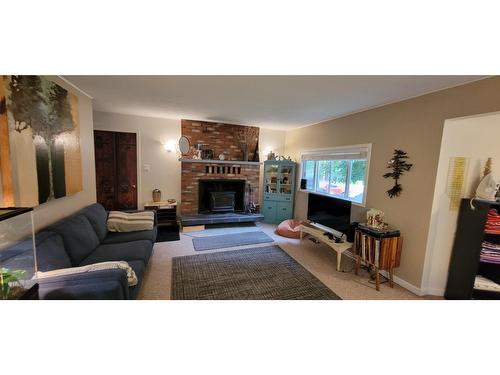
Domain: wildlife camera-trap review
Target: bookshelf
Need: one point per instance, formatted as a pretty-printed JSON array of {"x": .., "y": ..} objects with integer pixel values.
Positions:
[
  {"x": 474, "y": 271},
  {"x": 380, "y": 250}
]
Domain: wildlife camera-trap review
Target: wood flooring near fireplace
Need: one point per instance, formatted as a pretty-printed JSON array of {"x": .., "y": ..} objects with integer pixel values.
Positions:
[{"x": 316, "y": 258}]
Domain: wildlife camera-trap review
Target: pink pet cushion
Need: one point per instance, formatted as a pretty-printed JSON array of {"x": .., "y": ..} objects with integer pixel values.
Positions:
[{"x": 289, "y": 228}]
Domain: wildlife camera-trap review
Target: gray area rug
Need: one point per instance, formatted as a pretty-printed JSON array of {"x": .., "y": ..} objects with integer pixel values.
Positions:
[
  {"x": 261, "y": 273},
  {"x": 227, "y": 228},
  {"x": 230, "y": 240}
]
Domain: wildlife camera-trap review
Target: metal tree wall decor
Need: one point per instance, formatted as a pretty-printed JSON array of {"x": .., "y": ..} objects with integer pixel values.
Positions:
[{"x": 398, "y": 165}]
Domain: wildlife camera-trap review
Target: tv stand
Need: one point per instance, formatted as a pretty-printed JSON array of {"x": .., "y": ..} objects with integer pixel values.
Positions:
[
  {"x": 319, "y": 234},
  {"x": 333, "y": 237}
]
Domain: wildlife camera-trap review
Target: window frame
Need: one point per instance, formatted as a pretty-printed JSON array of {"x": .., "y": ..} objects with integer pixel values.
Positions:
[{"x": 328, "y": 152}]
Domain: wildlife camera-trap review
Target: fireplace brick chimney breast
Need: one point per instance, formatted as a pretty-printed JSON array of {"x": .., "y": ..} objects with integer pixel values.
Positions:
[{"x": 221, "y": 138}]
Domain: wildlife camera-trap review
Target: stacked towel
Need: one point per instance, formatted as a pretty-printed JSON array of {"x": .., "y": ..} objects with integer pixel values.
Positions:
[
  {"x": 490, "y": 253},
  {"x": 130, "y": 222},
  {"x": 492, "y": 222},
  {"x": 485, "y": 284}
]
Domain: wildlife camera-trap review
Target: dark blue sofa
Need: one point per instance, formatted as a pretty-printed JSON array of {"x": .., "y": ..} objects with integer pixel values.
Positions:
[{"x": 82, "y": 239}]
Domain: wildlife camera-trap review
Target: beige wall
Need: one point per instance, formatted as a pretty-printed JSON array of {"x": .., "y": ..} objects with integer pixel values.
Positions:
[
  {"x": 271, "y": 140},
  {"x": 52, "y": 211},
  {"x": 475, "y": 138},
  {"x": 164, "y": 169},
  {"x": 414, "y": 126}
]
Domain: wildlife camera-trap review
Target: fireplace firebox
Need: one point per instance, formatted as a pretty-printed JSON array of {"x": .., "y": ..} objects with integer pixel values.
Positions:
[{"x": 217, "y": 196}]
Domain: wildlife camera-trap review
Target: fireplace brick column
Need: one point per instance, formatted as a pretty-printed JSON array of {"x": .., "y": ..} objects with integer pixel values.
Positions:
[{"x": 227, "y": 139}]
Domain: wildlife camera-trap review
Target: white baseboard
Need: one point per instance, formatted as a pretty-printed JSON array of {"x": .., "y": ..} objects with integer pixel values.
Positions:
[
  {"x": 405, "y": 284},
  {"x": 402, "y": 283},
  {"x": 435, "y": 292}
]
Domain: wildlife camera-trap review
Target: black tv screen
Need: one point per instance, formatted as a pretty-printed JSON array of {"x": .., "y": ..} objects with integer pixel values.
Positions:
[{"x": 330, "y": 212}]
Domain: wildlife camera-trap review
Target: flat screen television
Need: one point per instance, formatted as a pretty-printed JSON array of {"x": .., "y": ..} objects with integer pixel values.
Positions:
[{"x": 329, "y": 212}]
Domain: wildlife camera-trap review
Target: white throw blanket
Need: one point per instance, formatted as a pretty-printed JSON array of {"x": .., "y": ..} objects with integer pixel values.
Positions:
[
  {"x": 131, "y": 276},
  {"x": 130, "y": 222}
]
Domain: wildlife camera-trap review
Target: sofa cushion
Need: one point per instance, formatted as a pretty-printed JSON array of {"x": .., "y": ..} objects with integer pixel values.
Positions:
[
  {"x": 106, "y": 284},
  {"x": 127, "y": 251},
  {"x": 97, "y": 216},
  {"x": 50, "y": 252},
  {"x": 139, "y": 268},
  {"x": 117, "y": 237},
  {"x": 78, "y": 236}
]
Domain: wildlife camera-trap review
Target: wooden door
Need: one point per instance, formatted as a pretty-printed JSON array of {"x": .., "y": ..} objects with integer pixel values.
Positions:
[
  {"x": 126, "y": 161},
  {"x": 116, "y": 169}
]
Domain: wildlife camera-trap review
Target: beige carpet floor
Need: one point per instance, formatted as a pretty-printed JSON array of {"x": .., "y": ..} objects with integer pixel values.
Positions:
[{"x": 318, "y": 259}]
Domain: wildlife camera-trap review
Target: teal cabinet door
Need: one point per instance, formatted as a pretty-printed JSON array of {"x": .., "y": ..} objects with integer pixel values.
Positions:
[
  {"x": 278, "y": 190},
  {"x": 283, "y": 211},
  {"x": 269, "y": 211}
]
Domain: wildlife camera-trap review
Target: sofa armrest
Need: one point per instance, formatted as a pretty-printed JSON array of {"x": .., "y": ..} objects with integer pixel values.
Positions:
[{"x": 105, "y": 284}]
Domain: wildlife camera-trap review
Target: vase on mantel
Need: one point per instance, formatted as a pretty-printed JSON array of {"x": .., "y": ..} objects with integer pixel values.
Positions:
[{"x": 245, "y": 152}]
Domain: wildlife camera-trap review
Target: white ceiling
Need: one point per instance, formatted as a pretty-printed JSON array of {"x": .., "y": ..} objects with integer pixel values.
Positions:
[{"x": 280, "y": 102}]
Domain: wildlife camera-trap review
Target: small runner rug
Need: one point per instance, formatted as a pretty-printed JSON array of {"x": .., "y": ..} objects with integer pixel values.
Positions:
[
  {"x": 230, "y": 240},
  {"x": 261, "y": 273}
]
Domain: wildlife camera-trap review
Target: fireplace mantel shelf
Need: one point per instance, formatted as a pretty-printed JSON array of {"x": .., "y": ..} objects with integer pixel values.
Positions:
[{"x": 210, "y": 161}]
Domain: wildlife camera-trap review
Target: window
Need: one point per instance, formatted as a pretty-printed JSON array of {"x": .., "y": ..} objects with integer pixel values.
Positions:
[{"x": 339, "y": 172}]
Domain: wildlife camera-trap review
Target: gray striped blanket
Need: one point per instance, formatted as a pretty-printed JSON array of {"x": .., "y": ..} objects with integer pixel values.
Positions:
[
  {"x": 131, "y": 276},
  {"x": 130, "y": 222}
]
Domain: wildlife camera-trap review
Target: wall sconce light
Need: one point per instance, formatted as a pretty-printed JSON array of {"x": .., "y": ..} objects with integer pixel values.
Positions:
[{"x": 169, "y": 146}]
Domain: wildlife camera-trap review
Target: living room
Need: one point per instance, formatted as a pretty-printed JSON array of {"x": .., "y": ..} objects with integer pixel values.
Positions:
[
  {"x": 216, "y": 189},
  {"x": 238, "y": 158}
]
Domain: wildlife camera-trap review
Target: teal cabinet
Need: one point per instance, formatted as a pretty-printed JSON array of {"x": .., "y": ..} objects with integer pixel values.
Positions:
[{"x": 278, "y": 191}]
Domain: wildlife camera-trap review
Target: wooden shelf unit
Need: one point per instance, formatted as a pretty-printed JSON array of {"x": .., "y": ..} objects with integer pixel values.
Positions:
[{"x": 382, "y": 252}]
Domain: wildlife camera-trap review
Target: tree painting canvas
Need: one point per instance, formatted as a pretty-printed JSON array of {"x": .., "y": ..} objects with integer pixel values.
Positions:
[{"x": 40, "y": 156}]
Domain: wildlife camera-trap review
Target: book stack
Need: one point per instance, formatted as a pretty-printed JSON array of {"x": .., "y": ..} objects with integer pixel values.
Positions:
[
  {"x": 381, "y": 250},
  {"x": 492, "y": 222}
]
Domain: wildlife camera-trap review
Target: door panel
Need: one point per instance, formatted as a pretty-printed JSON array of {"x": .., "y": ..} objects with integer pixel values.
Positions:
[
  {"x": 105, "y": 168},
  {"x": 283, "y": 211},
  {"x": 116, "y": 169},
  {"x": 269, "y": 212},
  {"x": 126, "y": 171}
]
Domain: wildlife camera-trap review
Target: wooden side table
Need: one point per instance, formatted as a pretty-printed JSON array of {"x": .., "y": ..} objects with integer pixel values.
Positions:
[
  {"x": 382, "y": 251},
  {"x": 166, "y": 215},
  {"x": 166, "y": 212}
]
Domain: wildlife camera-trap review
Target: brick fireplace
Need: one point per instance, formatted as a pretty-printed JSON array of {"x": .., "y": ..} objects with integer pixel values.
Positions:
[{"x": 224, "y": 139}]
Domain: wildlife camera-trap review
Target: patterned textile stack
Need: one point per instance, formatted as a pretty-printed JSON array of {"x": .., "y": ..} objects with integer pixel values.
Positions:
[
  {"x": 492, "y": 222},
  {"x": 490, "y": 253},
  {"x": 485, "y": 284}
]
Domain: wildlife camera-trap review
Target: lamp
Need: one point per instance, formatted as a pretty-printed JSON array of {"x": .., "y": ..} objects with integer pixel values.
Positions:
[{"x": 169, "y": 146}]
